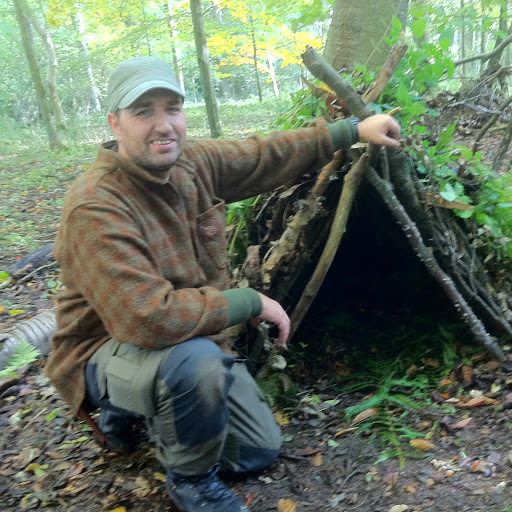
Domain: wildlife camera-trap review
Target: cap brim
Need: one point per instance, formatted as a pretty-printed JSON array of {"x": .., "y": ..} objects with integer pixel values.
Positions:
[{"x": 141, "y": 89}]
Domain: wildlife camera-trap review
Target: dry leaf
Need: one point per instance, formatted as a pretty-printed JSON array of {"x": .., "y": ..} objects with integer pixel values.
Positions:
[
  {"x": 467, "y": 375},
  {"x": 421, "y": 444},
  {"x": 282, "y": 419},
  {"x": 119, "y": 509},
  {"x": 478, "y": 465},
  {"x": 364, "y": 416},
  {"x": 307, "y": 451},
  {"x": 345, "y": 431},
  {"x": 318, "y": 460},
  {"x": 477, "y": 402},
  {"x": 399, "y": 508},
  {"x": 462, "y": 423},
  {"x": 286, "y": 506}
]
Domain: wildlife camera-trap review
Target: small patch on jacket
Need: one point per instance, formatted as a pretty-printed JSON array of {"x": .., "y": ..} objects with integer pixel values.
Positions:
[{"x": 210, "y": 228}]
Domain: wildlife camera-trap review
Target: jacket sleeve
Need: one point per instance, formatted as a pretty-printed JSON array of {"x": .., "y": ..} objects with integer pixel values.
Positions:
[
  {"x": 108, "y": 260},
  {"x": 242, "y": 169}
]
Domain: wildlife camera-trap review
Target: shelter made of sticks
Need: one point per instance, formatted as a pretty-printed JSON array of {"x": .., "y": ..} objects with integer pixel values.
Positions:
[{"x": 375, "y": 192}]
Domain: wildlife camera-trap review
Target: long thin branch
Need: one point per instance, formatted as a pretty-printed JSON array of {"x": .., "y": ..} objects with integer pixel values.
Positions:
[
  {"x": 350, "y": 186},
  {"x": 444, "y": 280},
  {"x": 485, "y": 128},
  {"x": 486, "y": 56}
]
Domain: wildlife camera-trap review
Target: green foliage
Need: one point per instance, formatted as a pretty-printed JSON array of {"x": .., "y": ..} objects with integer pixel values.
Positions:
[
  {"x": 398, "y": 383},
  {"x": 24, "y": 354}
]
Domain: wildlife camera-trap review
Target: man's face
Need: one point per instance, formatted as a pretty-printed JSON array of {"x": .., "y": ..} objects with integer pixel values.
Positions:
[{"x": 151, "y": 131}]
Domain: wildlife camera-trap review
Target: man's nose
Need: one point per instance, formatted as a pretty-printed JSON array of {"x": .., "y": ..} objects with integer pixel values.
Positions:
[{"x": 163, "y": 122}]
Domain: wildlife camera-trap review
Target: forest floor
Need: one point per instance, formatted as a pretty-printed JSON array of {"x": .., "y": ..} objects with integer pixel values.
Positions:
[{"x": 450, "y": 454}]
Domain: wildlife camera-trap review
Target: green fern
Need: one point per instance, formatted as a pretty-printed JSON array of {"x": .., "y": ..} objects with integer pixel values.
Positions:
[{"x": 24, "y": 354}]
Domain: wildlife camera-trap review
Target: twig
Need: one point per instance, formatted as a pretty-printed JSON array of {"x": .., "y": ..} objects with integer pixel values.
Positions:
[{"x": 28, "y": 276}]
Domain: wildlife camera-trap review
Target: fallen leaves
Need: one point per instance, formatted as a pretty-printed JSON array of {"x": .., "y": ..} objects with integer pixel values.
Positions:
[
  {"x": 286, "y": 506},
  {"x": 362, "y": 416},
  {"x": 421, "y": 444}
]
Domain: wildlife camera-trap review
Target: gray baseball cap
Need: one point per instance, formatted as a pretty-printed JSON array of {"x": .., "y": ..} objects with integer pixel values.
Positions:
[{"x": 136, "y": 76}]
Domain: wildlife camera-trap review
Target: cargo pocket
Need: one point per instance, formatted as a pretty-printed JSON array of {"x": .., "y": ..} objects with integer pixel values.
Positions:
[{"x": 131, "y": 381}]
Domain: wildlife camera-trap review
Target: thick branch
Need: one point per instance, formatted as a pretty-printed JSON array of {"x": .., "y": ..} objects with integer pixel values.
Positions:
[
  {"x": 325, "y": 72},
  {"x": 385, "y": 73},
  {"x": 350, "y": 186},
  {"x": 425, "y": 255}
]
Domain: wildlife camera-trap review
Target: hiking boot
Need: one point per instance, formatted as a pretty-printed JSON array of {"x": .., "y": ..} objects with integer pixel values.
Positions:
[
  {"x": 203, "y": 493},
  {"x": 125, "y": 434}
]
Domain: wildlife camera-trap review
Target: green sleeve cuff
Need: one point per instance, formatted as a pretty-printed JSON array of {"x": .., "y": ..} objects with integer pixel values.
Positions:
[
  {"x": 243, "y": 303},
  {"x": 343, "y": 134}
]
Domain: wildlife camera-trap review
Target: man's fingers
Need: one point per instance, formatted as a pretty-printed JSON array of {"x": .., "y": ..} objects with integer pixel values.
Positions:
[{"x": 273, "y": 312}]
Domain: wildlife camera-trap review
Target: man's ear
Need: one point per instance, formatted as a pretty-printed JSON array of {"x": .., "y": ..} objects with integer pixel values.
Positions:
[{"x": 113, "y": 121}]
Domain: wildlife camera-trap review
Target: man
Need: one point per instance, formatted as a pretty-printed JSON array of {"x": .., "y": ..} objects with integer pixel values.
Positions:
[{"x": 143, "y": 256}]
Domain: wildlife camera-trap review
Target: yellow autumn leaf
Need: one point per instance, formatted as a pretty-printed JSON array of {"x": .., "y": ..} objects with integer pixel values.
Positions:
[
  {"x": 286, "y": 506},
  {"x": 421, "y": 444},
  {"x": 159, "y": 476},
  {"x": 2, "y": 309},
  {"x": 282, "y": 419},
  {"x": 14, "y": 312},
  {"x": 119, "y": 509}
]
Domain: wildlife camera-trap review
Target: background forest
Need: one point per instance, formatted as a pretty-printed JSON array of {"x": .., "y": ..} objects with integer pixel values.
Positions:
[{"x": 386, "y": 401}]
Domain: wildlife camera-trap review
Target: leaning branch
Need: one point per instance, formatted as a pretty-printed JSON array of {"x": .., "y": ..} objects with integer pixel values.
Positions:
[
  {"x": 486, "y": 56},
  {"x": 325, "y": 72},
  {"x": 415, "y": 239},
  {"x": 339, "y": 225}
]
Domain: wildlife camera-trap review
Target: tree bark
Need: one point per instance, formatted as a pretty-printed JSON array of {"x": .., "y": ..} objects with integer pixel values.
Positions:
[
  {"x": 203, "y": 59},
  {"x": 95, "y": 93},
  {"x": 51, "y": 76},
  {"x": 41, "y": 94},
  {"x": 176, "y": 54},
  {"x": 255, "y": 59},
  {"x": 357, "y": 32}
]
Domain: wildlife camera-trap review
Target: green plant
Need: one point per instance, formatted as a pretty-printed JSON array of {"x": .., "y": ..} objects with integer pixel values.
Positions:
[{"x": 24, "y": 354}]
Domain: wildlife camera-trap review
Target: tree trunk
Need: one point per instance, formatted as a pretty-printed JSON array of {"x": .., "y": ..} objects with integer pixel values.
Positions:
[
  {"x": 203, "y": 60},
  {"x": 255, "y": 58},
  {"x": 272, "y": 73},
  {"x": 95, "y": 93},
  {"x": 41, "y": 94},
  {"x": 176, "y": 54},
  {"x": 47, "y": 41},
  {"x": 357, "y": 32},
  {"x": 494, "y": 62}
]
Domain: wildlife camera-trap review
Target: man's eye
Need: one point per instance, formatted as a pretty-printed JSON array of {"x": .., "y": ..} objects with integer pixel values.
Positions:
[{"x": 143, "y": 112}]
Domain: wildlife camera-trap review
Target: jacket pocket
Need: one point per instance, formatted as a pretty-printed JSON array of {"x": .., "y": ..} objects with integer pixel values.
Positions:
[{"x": 211, "y": 229}]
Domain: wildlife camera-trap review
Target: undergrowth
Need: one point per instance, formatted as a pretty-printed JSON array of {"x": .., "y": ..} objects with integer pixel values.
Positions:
[{"x": 390, "y": 371}]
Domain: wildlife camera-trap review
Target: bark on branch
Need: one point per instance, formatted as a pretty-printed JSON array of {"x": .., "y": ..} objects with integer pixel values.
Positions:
[
  {"x": 415, "y": 239},
  {"x": 325, "y": 72},
  {"x": 350, "y": 186},
  {"x": 385, "y": 73}
]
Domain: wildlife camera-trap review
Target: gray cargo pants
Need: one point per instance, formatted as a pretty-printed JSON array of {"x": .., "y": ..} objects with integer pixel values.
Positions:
[{"x": 201, "y": 405}]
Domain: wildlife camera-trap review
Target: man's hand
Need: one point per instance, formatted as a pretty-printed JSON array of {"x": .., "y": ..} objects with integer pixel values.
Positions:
[
  {"x": 381, "y": 129},
  {"x": 273, "y": 312}
]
